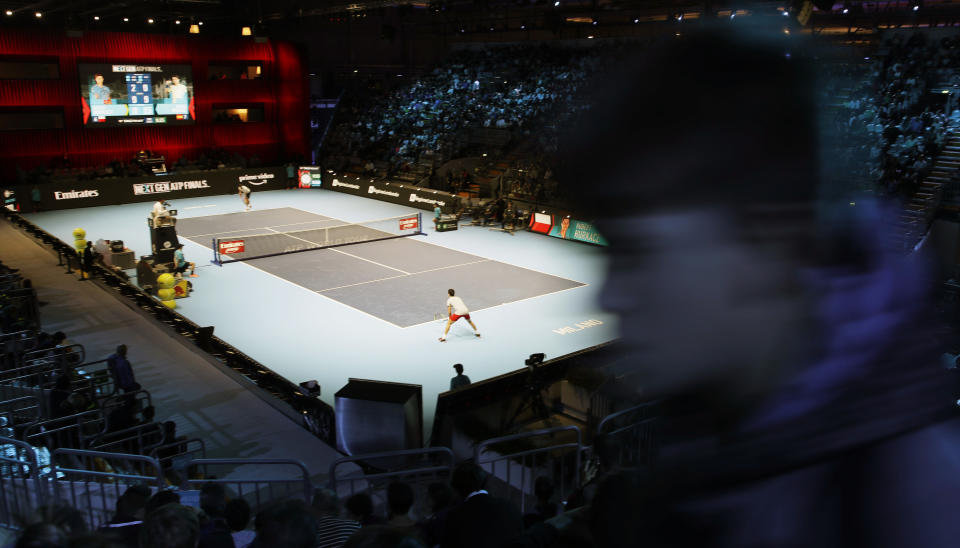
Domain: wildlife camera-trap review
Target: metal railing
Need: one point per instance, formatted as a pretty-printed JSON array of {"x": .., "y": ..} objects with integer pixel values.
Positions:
[
  {"x": 21, "y": 412},
  {"x": 267, "y": 487},
  {"x": 419, "y": 468},
  {"x": 177, "y": 455},
  {"x": 92, "y": 481},
  {"x": 137, "y": 440},
  {"x": 630, "y": 436},
  {"x": 70, "y": 431},
  {"x": 520, "y": 468},
  {"x": 21, "y": 488},
  {"x": 13, "y": 346}
]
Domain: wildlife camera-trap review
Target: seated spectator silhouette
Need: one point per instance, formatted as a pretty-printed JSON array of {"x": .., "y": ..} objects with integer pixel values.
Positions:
[
  {"x": 160, "y": 498},
  {"x": 125, "y": 526},
  {"x": 360, "y": 508},
  {"x": 238, "y": 518},
  {"x": 380, "y": 536},
  {"x": 170, "y": 526},
  {"x": 399, "y": 501},
  {"x": 122, "y": 371},
  {"x": 332, "y": 531},
  {"x": 470, "y": 525},
  {"x": 288, "y": 523},
  {"x": 59, "y": 396},
  {"x": 214, "y": 531},
  {"x": 441, "y": 500},
  {"x": 545, "y": 509}
]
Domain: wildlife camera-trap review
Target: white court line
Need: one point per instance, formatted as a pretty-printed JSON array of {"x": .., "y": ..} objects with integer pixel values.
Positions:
[
  {"x": 499, "y": 261},
  {"x": 362, "y": 283},
  {"x": 199, "y": 207},
  {"x": 368, "y": 260},
  {"x": 395, "y": 277},
  {"x": 509, "y": 302}
]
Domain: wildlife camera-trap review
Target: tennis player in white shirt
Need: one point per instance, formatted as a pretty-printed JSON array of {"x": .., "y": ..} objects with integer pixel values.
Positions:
[{"x": 456, "y": 310}]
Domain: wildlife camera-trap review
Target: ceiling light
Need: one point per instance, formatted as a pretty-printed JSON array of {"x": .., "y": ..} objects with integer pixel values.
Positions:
[
  {"x": 194, "y": 29},
  {"x": 9, "y": 12},
  {"x": 201, "y": 23},
  {"x": 96, "y": 17},
  {"x": 177, "y": 22},
  {"x": 246, "y": 31},
  {"x": 38, "y": 15},
  {"x": 126, "y": 19},
  {"x": 150, "y": 20}
]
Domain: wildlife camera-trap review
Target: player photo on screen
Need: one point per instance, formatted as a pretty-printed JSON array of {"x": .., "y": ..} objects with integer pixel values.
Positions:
[{"x": 121, "y": 94}]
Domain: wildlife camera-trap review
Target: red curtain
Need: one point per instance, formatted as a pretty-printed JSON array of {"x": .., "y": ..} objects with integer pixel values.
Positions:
[{"x": 282, "y": 91}]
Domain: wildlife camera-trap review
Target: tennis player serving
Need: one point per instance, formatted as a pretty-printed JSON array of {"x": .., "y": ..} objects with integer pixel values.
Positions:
[{"x": 456, "y": 310}]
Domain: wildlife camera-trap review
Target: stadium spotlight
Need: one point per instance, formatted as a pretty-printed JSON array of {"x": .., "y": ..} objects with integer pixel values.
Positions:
[
  {"x": 150, "y": 20},
  {"x": 96, "y": 17},
  {"x": 846, "y": 11},
  {"x": 786, "y": 13},
  {"x": 126, "y": 19},
  {"x": 636, "y": 20},
  {"x": 194, "y": 29},
  {"x": 556, "y": 4},
  {"x": 9, "y": 12},
  {"x": 246, "y": 31},
  {"x": 177, "y": 22},
  {"x": 915, "y": 8},
  {"x": 38, "y": 15}
]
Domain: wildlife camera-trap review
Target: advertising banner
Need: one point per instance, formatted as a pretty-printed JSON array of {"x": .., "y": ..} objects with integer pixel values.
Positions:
[
  {"x": 309, "y": 177},
  {"x": 414, "y": 196},
  {"x": 101, "y": 192},
  {"x": 571, "y": 229}
]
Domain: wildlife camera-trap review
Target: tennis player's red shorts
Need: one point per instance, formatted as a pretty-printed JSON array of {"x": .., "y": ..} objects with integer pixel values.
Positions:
[{"x": 454, "y": 317}]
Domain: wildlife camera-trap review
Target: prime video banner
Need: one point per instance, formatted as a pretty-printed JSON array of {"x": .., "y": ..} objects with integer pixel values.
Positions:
[{"x": 571, "y": 229}]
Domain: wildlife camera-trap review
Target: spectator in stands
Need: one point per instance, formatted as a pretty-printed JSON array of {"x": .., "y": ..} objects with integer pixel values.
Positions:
[
  {"x": 470, "y": 525},
  {"x": 126, "y": 524},
  {"x": 441, "y": 500},
  {"x": 161, "y": 498},
  {"x": 291, "y": 175},
  {"x": 124, "y": 415},
  {"x": 332, "y": 531},
  {"x": 59, "y": 396},
  {"x": 288, "y": 523},
  {"x": 214, "y": 530},
  {"x": 399, "y": 502},
  {"x": 170, "y": 526},
  {"x": 359, "y": 507},
  {"x": 87, "y": 259},
  {"x": 460, "y": 380},
  {"x": 801, "y": 371},
  {"x": 545, "y": 508},
  {"x": 238, "y": 518},
  {"x": 382, "y": 536},
  {"x": 42, "y": 535},
  {"x": 122, "y": 371}
]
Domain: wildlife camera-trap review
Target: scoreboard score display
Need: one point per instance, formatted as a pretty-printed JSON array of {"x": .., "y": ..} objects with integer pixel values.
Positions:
[
  {"x": 123, "y": 94},
  {"x": 140, "y": 93}
]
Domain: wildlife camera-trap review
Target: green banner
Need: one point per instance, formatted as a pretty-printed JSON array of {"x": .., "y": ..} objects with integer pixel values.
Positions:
[{"x": 570, "y": 229}]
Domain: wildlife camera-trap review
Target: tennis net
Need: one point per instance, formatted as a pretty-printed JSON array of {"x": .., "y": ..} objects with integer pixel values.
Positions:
[{"x": 240, "y": 248}]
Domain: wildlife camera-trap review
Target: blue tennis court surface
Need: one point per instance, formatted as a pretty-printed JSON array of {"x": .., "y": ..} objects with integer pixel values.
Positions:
[{"x": 396, "y": 280}]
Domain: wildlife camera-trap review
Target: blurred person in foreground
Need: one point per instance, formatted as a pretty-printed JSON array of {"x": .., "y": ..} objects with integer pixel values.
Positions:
[{"x": 789, "y": 346}]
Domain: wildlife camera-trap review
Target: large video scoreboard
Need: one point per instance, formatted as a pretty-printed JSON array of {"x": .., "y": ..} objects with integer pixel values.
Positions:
[{"x": 122, "y": 94}]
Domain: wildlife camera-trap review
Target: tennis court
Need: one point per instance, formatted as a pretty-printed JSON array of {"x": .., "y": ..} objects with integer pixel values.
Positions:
[{"x": 398, "y": 280}]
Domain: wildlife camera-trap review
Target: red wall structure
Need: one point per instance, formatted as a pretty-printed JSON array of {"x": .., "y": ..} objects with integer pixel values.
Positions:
[{"x": 282, "y": 90}]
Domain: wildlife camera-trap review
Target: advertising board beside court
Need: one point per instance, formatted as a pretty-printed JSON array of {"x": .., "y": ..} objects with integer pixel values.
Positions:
[
  {"x": 396, "y": 193},
  {"x": 101, "y": 192}
]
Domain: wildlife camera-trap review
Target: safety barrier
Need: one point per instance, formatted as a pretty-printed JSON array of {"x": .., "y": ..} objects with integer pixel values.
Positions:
[
  {"x": 631, "y": 435},
  {"x": 268, "y": 486},
  {"x": 92, "y": 481},
  {"x": 514, "y": 480},
  {"x": 21, "y": 488},
  {"x": 416, "y": 467}
]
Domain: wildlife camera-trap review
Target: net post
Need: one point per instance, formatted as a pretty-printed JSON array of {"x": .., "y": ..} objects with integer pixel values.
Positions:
[
  {"x": 420, "y": 222},
  {"x": 216, "y": 252}
]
